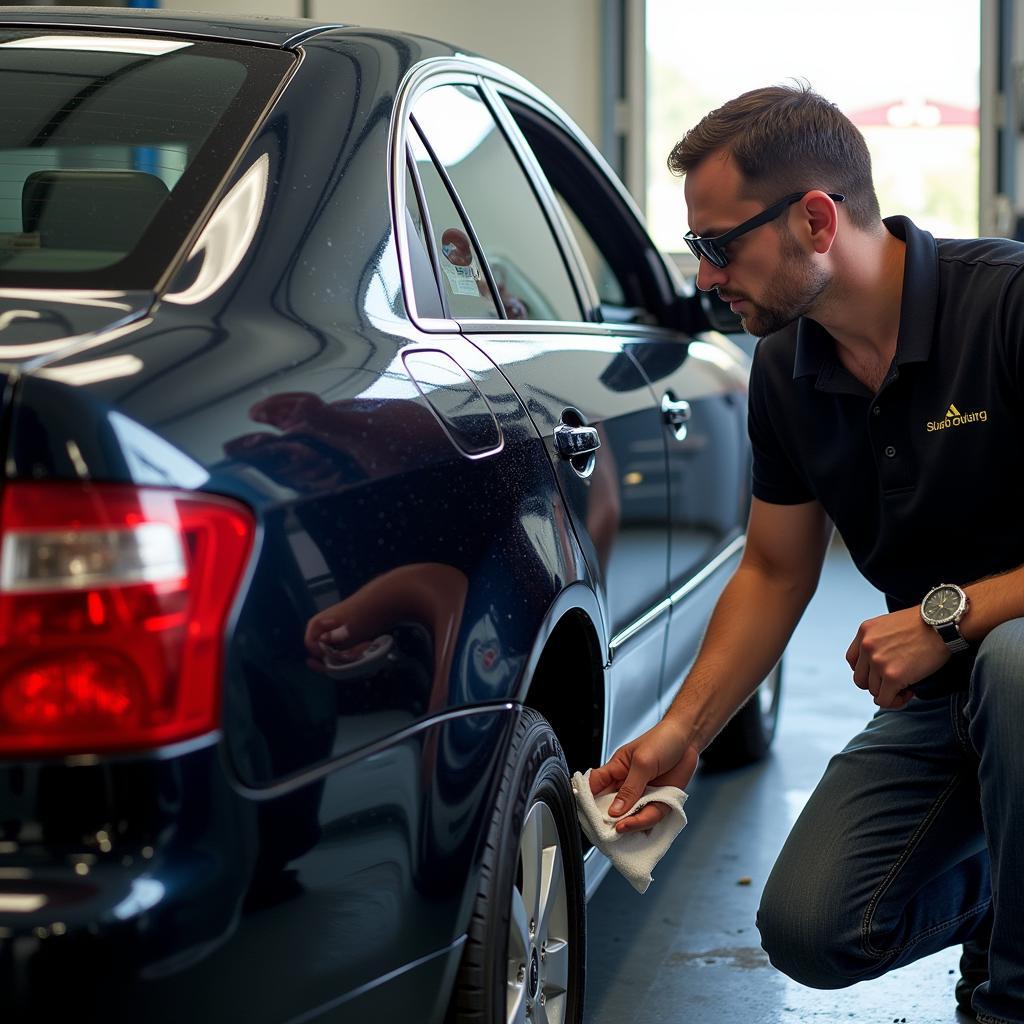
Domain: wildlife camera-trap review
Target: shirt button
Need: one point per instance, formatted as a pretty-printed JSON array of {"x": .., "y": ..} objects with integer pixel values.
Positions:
[
  {"x": 876, "y": 410},
  {"x": 890, "y": 452}
]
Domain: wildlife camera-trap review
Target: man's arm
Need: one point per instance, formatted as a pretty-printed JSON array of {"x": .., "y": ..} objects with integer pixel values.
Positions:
[
  {"x": 751, "y": 624},
  {"x": 892, "y": 652}
]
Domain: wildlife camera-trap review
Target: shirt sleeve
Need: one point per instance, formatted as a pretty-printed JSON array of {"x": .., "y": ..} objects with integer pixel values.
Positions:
[{"x": 776, "y": 478}]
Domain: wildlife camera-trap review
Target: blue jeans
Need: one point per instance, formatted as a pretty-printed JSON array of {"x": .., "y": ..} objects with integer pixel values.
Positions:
[{"x": 915, "y": 830}]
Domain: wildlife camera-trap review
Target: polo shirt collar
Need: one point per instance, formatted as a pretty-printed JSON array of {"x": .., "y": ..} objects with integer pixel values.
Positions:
[{"x": 815, "y": 350}]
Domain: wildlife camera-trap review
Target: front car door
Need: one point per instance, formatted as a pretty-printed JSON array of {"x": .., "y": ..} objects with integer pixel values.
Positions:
[{"x": 698, "y": 382}]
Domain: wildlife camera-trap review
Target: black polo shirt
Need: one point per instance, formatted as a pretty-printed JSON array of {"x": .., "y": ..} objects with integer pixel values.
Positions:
[{"x": 925, "y": 479}]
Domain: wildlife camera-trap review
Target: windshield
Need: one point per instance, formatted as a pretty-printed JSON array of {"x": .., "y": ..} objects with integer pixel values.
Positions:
[{"x": 111, "y": 146}]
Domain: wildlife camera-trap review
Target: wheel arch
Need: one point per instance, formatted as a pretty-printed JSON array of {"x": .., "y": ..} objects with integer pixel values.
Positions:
[{"x": 565, "y": 677}]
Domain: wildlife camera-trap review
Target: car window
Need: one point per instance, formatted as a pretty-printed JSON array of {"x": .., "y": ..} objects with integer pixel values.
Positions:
[
  {"x": 609, "y": 288},
  {"x": 465, "y": 285},
  {"x": 518, "y": 244},
  {"x": 623, "y": 262},
  {"x": 102, "y": 137}
]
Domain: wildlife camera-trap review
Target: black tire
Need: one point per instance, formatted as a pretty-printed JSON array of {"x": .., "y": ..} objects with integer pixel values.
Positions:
[
  {"x": 535, "y": 795},
  {"x": 749, "y": 733}
]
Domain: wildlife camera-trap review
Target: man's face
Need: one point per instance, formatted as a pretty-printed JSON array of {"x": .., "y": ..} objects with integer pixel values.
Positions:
[{"x": 769, "y": 280}]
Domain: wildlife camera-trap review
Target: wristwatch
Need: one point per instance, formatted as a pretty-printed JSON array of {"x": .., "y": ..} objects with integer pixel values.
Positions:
[{"x": 942, "y": 608}]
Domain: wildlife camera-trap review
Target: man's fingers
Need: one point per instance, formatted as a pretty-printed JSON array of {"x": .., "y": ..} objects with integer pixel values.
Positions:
[
  {"x": 646, "y": 817},
  {"x": 853, "y": 652},
  {"x": 630, "y": 791},
  {"x": 862, "y": 671},
  {"x": 606, "y": 777}
]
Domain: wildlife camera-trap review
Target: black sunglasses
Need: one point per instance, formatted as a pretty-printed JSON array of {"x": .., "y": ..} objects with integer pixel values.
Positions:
[{"x": 713, "y": 249}]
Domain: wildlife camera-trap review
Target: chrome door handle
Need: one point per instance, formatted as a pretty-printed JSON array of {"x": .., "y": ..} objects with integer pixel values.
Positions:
[
  {"x": 676, "y": 413},
  {"x": 573, "y": 441}
]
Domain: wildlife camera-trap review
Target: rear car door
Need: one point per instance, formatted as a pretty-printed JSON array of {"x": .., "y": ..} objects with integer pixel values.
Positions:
[
  {"x": 698, "y": 382},
  {"x": 495, "y": 247}
]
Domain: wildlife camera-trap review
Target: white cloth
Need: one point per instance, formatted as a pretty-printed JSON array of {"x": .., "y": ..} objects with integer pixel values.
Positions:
[{"x": 634, "y": 854}]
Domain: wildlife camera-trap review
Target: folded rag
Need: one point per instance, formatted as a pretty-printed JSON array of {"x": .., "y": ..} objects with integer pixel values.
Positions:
[{"x": 634, "y": 854}]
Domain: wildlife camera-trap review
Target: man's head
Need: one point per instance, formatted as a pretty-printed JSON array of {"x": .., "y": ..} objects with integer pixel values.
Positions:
[
  {"x": 786, "y": 139},
  {"x": 747, "y": 156}
]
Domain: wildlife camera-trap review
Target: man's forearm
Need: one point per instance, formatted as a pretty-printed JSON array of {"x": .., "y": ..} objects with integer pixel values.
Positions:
[
  {"x": 993, "y": 600},
  {"x": 749, "y": 629}
]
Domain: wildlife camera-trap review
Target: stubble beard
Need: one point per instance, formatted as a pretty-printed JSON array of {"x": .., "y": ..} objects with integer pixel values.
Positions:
[{"x": 791, "y": 293}]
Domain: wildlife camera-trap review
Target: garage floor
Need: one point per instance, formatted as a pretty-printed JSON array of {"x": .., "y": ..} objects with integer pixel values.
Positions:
[{"x": 687, "y": 952}]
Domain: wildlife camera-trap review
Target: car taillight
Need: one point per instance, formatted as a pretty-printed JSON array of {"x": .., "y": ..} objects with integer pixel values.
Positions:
[{"x": 113, "y": 606}]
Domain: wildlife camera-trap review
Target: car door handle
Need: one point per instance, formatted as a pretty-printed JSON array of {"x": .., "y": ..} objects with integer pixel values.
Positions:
[
  {"x": 574, "y": 441},
  {"x": 676, "y": 413}
]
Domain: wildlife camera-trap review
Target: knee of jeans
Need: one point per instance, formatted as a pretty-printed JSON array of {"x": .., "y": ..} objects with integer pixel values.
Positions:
[
  {"x": 1001, "y": 660},
  {"x": 807, "y": 941}
]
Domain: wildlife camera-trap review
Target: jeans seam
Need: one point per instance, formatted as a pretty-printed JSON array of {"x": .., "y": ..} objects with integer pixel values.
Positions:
[
  {"x": 958, "y": 720},
  {"x": 894, "y": 871}
]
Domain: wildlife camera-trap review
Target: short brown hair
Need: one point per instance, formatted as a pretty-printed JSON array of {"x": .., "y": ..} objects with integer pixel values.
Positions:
[{"x": 785, "y": 138}]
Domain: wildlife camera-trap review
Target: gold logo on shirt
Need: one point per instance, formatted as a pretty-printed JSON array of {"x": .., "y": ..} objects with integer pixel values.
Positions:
[{"x": 956, "y": 418}]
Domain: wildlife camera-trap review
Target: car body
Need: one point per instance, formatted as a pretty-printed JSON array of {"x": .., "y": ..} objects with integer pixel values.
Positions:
[{"x": 339, "y": 363}]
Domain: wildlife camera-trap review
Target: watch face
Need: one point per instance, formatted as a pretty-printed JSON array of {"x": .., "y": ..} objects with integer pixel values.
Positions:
[{"x": 941, "y": 605}]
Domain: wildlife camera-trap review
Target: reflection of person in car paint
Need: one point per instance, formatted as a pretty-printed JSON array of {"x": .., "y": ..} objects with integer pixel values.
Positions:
[
  {"x": 355, "y": 629},
  {"x": 458, "y": 250}
]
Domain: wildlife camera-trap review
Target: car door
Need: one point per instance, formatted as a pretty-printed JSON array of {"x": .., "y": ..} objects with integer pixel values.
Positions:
[
  {"x": 587, "y": 395},
  {"x": 698, "y": 382}
]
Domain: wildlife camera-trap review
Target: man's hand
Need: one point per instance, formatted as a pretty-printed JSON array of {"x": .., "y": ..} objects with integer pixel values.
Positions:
[
  {"x": 891, "y": 653},
  {"x": 660, "y": 757}
]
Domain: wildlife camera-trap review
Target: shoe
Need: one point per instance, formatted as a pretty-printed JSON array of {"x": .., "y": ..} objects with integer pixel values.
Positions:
[{"x": 973, "y": 971}]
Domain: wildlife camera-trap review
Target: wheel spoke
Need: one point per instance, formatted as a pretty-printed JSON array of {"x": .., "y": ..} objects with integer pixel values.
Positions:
[
  {"x": 531, "y": 852},
  {"x": 518, "y": 929},
  {"x": 555, "y": 970},
  {"x": 518, "y": 958},
  {"x": 552, "y": 892},
  {"x": 540, "y": 1014},
  {"x": 515, "y": 1004}
]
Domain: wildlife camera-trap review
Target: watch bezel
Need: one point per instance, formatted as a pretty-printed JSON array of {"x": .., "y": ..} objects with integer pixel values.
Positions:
[{"x": 947, "y": 620}]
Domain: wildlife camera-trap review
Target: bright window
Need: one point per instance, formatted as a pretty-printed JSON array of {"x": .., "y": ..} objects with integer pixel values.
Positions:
[{"x": 905, "y": 72}]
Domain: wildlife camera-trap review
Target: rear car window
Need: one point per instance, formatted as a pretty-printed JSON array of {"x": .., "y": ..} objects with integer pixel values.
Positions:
[{"x": 112, "y": 145}]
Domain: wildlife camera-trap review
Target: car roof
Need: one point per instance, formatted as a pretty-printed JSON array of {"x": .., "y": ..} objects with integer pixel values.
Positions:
[{"x": 243, "y": 28}]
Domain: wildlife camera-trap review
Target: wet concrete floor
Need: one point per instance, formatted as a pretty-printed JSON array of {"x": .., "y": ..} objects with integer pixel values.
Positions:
[{"x": 687, "y": 952}]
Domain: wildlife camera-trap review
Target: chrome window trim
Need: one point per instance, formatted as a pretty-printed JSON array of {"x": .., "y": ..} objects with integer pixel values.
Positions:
[{"x": 699, "y": 577}]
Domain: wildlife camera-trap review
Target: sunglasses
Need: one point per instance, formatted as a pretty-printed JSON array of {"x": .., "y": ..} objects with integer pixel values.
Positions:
[{"x": 713, "y": 249}]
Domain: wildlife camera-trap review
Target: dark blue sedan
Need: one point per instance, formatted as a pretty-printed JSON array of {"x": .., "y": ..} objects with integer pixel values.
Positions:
[{"x": 366, "y": 470}]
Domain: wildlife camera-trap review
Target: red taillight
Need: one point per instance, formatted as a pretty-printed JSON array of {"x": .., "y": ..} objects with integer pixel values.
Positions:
[{"x": 113, "y": 605}]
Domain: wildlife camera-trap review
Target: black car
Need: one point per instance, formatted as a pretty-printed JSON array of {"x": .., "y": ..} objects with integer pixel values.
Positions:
[{"x": 366, "y": 470}]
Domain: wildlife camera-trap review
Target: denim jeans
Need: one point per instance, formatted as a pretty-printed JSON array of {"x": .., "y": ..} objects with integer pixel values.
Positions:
[{"x": 914, "y": 831}]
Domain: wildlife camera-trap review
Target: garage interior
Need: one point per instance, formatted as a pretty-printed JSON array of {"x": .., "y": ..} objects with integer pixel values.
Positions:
[{"x": 688, "y": 950}]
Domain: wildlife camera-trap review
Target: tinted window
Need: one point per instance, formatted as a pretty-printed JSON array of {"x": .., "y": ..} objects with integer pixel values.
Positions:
[
  {"x": 465, "y": 285},
  {"x": 520, "y": 249},
  {"x": 609, "y": 287},
  {"x": 105, "y": 137},
  {"x": 622, "y": 260}
]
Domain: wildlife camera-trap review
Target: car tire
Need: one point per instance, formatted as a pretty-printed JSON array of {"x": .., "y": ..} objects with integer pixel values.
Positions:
[
  {"x": 525, "y": 955},
  {"x": 749, "y": 734}
]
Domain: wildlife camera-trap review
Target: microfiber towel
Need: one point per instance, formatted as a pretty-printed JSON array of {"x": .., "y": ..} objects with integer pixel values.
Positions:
[{"x": 634, "y": 854}]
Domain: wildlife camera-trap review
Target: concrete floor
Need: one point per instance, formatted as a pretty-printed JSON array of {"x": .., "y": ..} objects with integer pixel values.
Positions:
[{"x": 687, "y": 951}]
